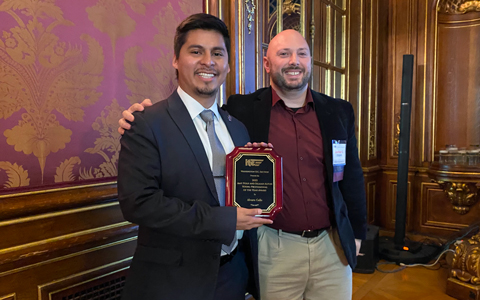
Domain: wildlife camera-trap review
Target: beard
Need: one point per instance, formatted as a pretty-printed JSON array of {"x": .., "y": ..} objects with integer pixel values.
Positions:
[
  {"x": 206, "y": 91},
  {"x": 282, "y": 83}
]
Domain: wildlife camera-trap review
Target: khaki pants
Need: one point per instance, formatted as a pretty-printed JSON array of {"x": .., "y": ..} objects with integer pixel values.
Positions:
[{"x": 292, "y": 267}]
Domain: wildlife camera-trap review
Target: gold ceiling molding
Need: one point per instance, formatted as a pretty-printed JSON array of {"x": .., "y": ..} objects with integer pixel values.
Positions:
[{"x": 458, "y": 6}]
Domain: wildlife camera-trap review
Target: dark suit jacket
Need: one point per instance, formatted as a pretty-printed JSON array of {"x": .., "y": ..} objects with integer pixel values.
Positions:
[
  {"x": 337, "y": 122},
  {"x": 165, "y": 185}
]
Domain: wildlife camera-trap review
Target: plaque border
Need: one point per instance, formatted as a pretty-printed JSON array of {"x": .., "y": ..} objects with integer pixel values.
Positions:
[{"x": 271, "y": 155}]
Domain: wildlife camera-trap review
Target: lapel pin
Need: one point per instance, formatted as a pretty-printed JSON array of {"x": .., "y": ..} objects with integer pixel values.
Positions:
[{"x": 229, "y": 118}]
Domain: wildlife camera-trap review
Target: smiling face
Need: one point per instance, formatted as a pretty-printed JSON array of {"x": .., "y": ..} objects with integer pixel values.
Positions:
[
  {"x": 202, "y": 65},
  {"x": 288, "y": 61}
]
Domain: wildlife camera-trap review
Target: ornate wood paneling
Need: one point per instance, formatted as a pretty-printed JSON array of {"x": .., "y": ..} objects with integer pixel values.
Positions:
[
  {"x": 371, "y": 182},
  {"x": 242, "y": 20},
  {"x": 368, "y": 84},
  {"x": 423, "y": 138},
  {"x": 457, "y": 119},
  {"x": 403, "y": 29},
  {"x": 392, "y": 193},
  {"x": 38, "y": 202},
  {"x": 104, "y": 282},
  {"x": 432, "y": 30},
  {"x": 402, "y": 34},
  {"x": 27, "y": 281},
  {"x": 55, "y": 236},
  {"x": 436, "y": 210}
]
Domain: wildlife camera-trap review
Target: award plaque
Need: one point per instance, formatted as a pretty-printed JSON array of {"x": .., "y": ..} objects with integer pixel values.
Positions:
[{"x": 254, "y": 179}]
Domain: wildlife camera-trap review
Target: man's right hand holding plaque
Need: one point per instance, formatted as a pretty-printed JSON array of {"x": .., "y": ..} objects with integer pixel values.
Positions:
[{"x": 254, "y": 179}]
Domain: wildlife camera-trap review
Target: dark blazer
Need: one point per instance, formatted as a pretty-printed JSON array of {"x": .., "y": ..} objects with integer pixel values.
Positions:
[
  {"x": 165, "y": 185},
  {"x": 337, "y": 122}
]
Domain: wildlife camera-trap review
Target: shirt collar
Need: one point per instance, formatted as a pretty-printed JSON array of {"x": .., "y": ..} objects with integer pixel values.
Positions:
[
  {"x": 276, "y": 97},
  {"x": 194, "y": 107}
]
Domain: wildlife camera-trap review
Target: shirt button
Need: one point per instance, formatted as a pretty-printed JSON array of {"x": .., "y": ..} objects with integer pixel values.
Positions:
[
  {"x": 304, "y": 179},
  {"x": 301, "y": 158}
]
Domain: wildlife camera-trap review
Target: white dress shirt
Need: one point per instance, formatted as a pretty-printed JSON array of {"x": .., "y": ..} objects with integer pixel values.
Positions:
[{"x": 194, "y": 109}]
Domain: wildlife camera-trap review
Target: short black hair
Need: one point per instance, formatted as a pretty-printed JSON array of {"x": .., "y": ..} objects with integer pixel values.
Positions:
[{"x": 200, "y": 21}]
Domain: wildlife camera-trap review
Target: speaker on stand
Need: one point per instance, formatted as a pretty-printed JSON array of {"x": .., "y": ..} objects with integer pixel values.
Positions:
[{"x": 398, "y": 249}]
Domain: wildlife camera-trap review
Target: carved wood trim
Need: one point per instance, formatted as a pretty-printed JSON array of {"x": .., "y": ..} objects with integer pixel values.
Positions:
[
  {"x": 250, "y": 7},
  {"x": 462, "y": 195},
  {"x": 44, "y": 248},
  {"x": 458, "y": 183},
  {"x": 396, "y": 136},
  {"x": 456, "y": 7},
  {"x": 12, "y": 296},
  {"x": 27, "y": 204},
  {"x": 372, "y": 136},
  {"x": 48, "y": 258},
  {"x": 465, "y": 261}
]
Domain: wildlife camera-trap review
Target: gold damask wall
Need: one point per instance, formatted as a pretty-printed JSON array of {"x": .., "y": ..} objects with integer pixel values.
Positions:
[{"x": 67, "y": 70}]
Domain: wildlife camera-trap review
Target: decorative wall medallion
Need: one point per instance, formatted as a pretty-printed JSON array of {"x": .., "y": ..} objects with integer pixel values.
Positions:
[{"x": 461, "y": 194}]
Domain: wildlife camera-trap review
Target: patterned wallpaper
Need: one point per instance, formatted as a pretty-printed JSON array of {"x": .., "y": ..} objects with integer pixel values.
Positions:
[{"x": 67, "y": 70}]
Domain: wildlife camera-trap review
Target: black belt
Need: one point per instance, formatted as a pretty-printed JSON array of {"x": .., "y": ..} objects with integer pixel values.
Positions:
[
  {"x": 307, "y": 233},
  {"x": 228, "y": 257}
]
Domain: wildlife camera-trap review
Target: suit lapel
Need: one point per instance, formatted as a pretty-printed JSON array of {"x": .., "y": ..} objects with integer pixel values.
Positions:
[
  {"x": 181, "y": 117},
  {"x": 324, "y": 114},
  {"x": 262, "y": 107},
  {"x": 235, "y": 134}
]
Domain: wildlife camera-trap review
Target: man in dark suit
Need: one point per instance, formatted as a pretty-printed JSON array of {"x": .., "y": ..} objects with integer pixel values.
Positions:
[
  {"x": 171, "y": 182},
  {"x": 310, "y": 250}
]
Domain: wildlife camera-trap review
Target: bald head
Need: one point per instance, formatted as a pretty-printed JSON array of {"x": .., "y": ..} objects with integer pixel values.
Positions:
[
  {"x": 287, "y": 39},
  {"x": 288, "y": 61}
]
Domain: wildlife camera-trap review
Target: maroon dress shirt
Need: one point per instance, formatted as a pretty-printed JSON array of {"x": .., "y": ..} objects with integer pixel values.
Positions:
[{"x": 296, "y": 137}]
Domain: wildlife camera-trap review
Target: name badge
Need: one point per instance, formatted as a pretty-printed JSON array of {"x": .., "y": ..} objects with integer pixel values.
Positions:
[{"x": 339, "y": 149}]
